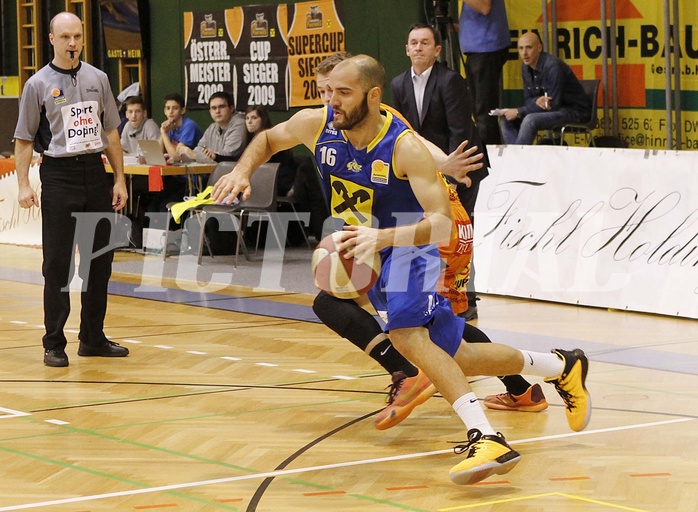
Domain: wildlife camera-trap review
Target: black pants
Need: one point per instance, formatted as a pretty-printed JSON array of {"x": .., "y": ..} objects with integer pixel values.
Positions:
[
  {"x": 483, "y": 73},
  {"x": 68, "y": 186}
]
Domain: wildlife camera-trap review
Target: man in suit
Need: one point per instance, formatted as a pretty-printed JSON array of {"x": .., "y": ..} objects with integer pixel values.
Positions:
[{"x": 434, "y": 99}]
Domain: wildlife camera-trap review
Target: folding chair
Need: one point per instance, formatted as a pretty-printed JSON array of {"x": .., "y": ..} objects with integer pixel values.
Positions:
[
  {"x": 292, "y": 203},
  {"x": 591, "y": 89},
  {"x": 262, "y": 202}
]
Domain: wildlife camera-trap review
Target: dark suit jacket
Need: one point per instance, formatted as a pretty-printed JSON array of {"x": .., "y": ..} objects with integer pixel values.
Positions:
[{"x": 447, "y": 119}]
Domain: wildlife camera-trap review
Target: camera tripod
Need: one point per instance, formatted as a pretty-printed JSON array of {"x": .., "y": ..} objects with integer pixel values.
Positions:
[{"x": 442, "y": 22}]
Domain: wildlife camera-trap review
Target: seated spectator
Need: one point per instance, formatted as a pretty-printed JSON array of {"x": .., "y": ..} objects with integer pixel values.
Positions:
[
  {"x": 257, "y": 120},
  {"x": 138, "y": 127},
  {"x": 553, "y": 95},
  {"x": 131, "y": 90},
  {"x": 224, "y": 139},
  {"x": 292, "y": 171},
  {"x": 176, "y": 129}
]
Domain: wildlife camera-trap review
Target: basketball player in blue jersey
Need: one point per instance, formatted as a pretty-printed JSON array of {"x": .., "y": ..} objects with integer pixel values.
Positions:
[
  {"x": 410, "y": 386},
  {"x": 382, "y": 183}
]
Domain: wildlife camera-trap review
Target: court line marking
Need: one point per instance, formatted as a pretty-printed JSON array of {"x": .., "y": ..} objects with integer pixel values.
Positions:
[
  {"x": 285, "y": 472},
  {"x": 600, "y": 431},
  {"x": 11, "y": 413},
  {"x": 545, "y": 495},
  {"x": 58, "y": 422}
]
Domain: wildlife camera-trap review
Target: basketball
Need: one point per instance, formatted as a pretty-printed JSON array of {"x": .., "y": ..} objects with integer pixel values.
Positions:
[{"x": 341, "y": 277}]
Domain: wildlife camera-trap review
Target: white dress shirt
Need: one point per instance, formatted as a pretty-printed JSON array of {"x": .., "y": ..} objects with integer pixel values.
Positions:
[{"x": 420, "y": 84}]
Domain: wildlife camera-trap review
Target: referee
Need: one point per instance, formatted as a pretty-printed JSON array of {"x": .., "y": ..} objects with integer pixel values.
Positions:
[{"x": 68, "y": 113}]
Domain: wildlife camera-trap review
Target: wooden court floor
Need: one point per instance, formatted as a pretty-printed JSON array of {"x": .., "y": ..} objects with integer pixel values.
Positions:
[{"x": 232, "y": 401}]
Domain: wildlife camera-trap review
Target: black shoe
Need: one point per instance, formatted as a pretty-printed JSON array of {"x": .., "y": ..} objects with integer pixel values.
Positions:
[
  {"x": 56, "y": 358},
  {"x": 470, "y": 314},
  {"x": 108, "y": 349}
]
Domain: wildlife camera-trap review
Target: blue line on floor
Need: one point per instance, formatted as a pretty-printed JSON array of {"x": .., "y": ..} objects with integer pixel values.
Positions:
[
  {"x": 249, "y": 305},
  {"x": 602, "y": 352}
]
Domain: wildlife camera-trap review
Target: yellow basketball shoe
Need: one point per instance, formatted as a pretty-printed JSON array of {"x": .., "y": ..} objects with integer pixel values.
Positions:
[
  {"x": 405, "y": 394},
  {"x": 487, "y": 455},
  {"x": 570, "y": 386}
]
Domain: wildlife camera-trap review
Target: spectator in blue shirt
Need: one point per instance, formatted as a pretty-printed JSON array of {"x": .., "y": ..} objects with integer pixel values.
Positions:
[
  {"x": 553, "y": 95},
  {"x": 177, "y": 128}
]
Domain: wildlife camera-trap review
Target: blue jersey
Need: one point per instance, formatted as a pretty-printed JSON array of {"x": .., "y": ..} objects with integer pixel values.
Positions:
[
  {"x": 361, "y": 186},
  {"x": 363, "y": 189}
]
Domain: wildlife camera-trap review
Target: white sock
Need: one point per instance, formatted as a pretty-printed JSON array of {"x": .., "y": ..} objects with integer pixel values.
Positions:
[
  {"x": 471, "y": 413},
  {"x": 547, "y": 365}
]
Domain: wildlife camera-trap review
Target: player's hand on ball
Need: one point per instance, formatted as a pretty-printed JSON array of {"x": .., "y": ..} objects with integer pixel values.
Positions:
[{"x": 360, "y": 242}]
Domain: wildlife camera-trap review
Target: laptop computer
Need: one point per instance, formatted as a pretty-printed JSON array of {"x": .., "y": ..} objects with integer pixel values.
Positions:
[{"x": 152, "y": 152}]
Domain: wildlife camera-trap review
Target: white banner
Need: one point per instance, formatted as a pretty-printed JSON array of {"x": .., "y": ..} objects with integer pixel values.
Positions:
[
  {"x": 18, "y": 225},
  {"x": 616, "y": 228}
]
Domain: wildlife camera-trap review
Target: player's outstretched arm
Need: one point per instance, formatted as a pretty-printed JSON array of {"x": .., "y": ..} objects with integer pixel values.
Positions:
[
  {"x": 457, "y": 164},
  {"x": 412, "y": 161},
  {"x": 301, "y": 128},
  {"x": 460, "y": 162}
]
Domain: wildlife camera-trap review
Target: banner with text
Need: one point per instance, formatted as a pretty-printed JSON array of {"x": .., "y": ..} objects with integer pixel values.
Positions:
[
  {"x": 208, "y": 48},
  {"x": 641, "y": 64},
  {"x": 260, "y": 57},
  {"x": 616, "y": 228},
  {"x": 261, "y": 54},
  {"x": 20, "y": 226},
  {"x": 315, "y": 32}
]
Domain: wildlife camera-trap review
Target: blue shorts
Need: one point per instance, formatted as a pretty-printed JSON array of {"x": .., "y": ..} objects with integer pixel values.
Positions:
[{"x": 405, "y": 295}]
